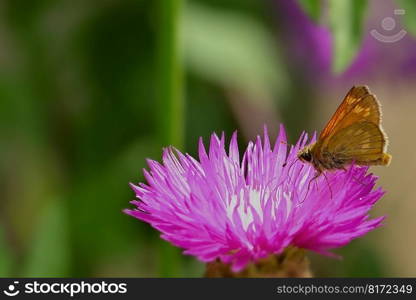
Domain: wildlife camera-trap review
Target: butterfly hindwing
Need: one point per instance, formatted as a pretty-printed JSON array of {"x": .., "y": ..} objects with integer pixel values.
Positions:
[{"x": 362, "y": 142}]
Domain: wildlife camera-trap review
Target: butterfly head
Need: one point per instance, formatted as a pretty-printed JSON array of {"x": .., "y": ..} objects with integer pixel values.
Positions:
[{"x": 305, "y": 154}]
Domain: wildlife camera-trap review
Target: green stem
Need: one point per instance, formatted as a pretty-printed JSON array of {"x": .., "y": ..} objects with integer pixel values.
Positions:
[
  {"x": 170, "y": 108},
  {"x": 170, "y": 84}
]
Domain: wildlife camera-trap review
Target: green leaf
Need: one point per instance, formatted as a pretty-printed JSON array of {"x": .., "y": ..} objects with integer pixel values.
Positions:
[
  {"x": 346, "y": 19},
  {"x": 312, "y": 8},
  {"x": 48, "y": 255},
  {"x": 233, "y": 50},
  {"x": 410, "y": 14}
]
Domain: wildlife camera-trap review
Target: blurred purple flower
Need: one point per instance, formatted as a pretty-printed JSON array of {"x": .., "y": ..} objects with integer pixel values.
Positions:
[
  {"x": 243, "y": 210},
  {"x": 308, "y": 46},
  {"x": 306, "y": 43}
]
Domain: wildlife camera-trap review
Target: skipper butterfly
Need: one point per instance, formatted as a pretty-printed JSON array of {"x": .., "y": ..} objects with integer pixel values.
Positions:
[{"x": 352, "y": 135}]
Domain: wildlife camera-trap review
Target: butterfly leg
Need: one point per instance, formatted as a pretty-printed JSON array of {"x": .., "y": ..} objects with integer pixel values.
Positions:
[
  {"x": 317, "y": 174},
  {"x": 356, "y": 180},
  {"x": 353, "y": 177},
  {"x": 327, "y": 182}
]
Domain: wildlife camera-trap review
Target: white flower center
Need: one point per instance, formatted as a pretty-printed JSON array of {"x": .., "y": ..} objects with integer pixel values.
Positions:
[{"x": 245, "y": 205}]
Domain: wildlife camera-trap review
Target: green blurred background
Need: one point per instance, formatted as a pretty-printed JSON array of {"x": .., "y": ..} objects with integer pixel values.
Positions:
[{"x": 90, "y": 89}]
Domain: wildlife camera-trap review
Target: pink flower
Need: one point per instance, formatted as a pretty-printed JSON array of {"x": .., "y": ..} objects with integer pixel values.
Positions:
[{"x": 241, "y": 210}]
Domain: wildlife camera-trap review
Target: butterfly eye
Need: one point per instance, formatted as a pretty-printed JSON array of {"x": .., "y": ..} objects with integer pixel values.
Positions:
[{"x": 306, "y": 156}]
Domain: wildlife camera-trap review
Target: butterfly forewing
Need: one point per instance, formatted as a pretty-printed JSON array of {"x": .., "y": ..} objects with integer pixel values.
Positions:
[
  {"x": 353, "y": 97},
  {"x": 367, "y": 109}
]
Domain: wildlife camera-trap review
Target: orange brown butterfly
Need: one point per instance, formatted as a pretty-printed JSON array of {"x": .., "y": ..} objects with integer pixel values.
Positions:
[{"x": 352, "y": 135}]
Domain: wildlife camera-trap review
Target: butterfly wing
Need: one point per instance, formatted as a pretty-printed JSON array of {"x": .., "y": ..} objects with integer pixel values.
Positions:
[
  {"x": 355, "y": 95},
  {"x": 353, "y": 133},
  {"x": 367, "y": 109},
  {"x": 362, "y": 142}
]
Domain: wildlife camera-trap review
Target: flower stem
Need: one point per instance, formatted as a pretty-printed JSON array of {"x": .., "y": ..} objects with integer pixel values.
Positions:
[
  {"x": 170, "y": 104},
  {"x": 170, "y": 82}
]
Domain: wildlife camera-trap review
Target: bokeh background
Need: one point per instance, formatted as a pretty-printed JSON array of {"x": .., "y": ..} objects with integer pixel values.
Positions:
[{"x": 90, "y": 89}]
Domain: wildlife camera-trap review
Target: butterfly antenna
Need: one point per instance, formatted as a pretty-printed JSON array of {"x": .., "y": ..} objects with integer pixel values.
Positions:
[
  {"x": 286, "y": 143},
  {"x": 290, "y": 168},
  {"x": 285, "y": 163}
]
